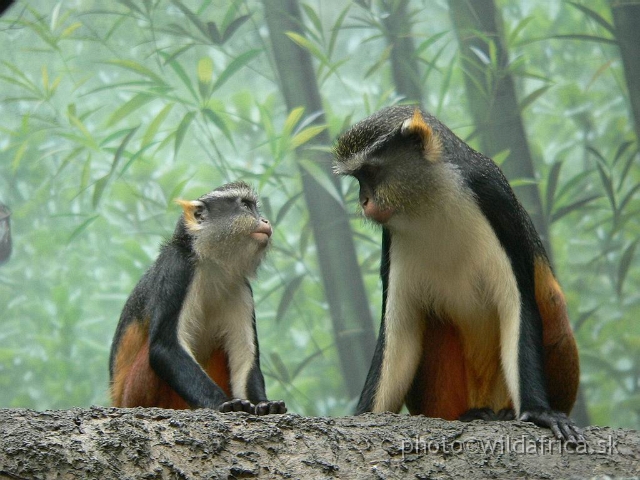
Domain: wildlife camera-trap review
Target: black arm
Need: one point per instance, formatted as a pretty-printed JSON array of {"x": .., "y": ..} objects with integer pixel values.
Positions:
[
  {"x": 365, "y": 404},
  {"x": 167, "y": 357}
]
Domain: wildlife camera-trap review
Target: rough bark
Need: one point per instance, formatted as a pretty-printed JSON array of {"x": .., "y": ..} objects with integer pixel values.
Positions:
[
  {"x": 343, "y": 285},
  {"x": 115, "y": 443},
  {"x": 626, "y": 19}
]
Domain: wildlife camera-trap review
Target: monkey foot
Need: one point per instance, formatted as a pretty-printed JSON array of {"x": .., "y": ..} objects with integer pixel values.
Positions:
[
  {"x": 269, "y": 407},
  {"x": 237, "y": 405}
]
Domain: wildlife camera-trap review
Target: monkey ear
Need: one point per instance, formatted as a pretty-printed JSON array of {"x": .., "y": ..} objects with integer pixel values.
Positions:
[
  {"x": 192, "y": 212},
  {"x": 417, "y": 126}
]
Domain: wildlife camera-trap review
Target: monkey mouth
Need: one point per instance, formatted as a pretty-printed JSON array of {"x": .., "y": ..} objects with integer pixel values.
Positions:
[
  {"x": 377, "y": 214},
  {"x": 262, "y": 237},
  {"x": 262, "y": 233}
]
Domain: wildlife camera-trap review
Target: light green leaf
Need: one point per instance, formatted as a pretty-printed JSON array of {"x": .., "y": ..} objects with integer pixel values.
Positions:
[
  {"x": 205, "y": 70},
  {"x": 137, "y": 101},
  {"x": 305, "y": 135}
]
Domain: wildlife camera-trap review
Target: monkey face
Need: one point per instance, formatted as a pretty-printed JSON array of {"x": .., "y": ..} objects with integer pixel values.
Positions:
[
  {"x": 226, "y": 226},
  {"x": 392, "y": 155}
]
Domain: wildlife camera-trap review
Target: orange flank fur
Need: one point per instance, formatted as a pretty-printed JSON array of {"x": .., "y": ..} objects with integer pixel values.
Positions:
[
  {"x": 137, "y": 385},
  {"x": 442, "y": 379},
  {"x": 560, "y": 351},
  {"x": 218, "y": 370}
]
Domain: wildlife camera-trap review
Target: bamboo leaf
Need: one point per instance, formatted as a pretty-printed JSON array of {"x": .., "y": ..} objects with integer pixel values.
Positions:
[
  {"x": 314, "y": 18},
  {"x": 67, "y": 32},
  {"x": 292, "y": 120},
  {"x": 336, "y": 29},
  {"x": 567, "y": 209},
  {"x": 586, "y": 38},
  {"x": 213, "y": 33},
  {"x": 182, "y": 75},
  {"x": 621, "y": 149},
  {"x": 17, "y": 158},
  {"x": 532, "y": 97},
  {"x": 552, "y": 185},
  {"x": 305, "y": 135},
  {"x": 126, "y": 109},
  {"x": 287, "y": 296},
  {"x": 233, "y": 26},
  {"x": 139, "y": 69},
  {"x": 384, "y": 57},
  {"x": 513, "y": 36},
  {"x": 192, "y": 17},
  {"x": 307, "y": 361},
  {"x": 205, "y": 70},
  {"x": 235, "y": 65},
  {"x": 98, "y": 190},
  {"x": 309, "y": 46},
  {"x": 121, "y": 149},
  {"x": 175, "y": 192},
  {"x": 218, "y": 122},
  {"x": 280, "y": 367},
  {"x": 595, "y": 16},
  {"x": 149, "y": 135},
  {"x": 182, "y": 130},
  {"x": 626, "y": 168},
  {"x": 85, "y": 177},
  {"x": 81, "y": 228},
  {"x": 629, "y": 196},
  {"x": 625, "y": 263},
  {"x": 286, "y": 207},
  {"x": 608, "y": 186}
]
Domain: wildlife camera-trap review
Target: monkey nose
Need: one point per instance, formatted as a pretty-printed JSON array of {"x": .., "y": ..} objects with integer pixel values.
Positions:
[{"x": 264, "y": 227}]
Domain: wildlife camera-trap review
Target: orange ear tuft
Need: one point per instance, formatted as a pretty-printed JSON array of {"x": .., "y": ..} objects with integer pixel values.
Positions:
[
  {"x": 416, "y": 125},
  {"x": 188, "y": 208}
]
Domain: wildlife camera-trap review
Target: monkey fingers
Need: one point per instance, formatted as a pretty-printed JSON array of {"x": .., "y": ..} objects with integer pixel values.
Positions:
[
  {"x": 270, "y": 407},
  {"x": 562, "y": 426},
  {"x": 237, "y": 405}
]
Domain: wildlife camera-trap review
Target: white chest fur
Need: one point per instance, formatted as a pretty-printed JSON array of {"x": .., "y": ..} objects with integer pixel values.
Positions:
[
  {"x": 448, "y": 260},
  {"x": 217, "y": 314}
]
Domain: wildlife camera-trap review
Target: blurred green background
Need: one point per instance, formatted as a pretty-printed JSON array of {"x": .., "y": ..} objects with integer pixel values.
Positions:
[{"x": 110, "y": 110}]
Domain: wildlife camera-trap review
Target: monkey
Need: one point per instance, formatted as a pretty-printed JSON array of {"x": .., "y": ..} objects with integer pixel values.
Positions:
[
  {"x": 187, "y": 334},
  {"x": 474, "y": 323}
]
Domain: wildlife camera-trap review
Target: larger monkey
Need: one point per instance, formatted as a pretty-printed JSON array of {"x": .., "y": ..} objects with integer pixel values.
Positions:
[
  {"x": 187, "y": 334},
  {"x": 473, "y": 319}
]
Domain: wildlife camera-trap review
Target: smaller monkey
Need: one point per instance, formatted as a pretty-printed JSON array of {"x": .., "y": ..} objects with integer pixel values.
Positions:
[{"x": 187, "y": 334}]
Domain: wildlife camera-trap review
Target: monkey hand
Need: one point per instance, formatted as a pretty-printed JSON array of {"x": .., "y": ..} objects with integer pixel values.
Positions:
[
  {"x": 270, "y": 406},
  {"x": 237, "y": 405},
  {"x": 561, "y": 425}
]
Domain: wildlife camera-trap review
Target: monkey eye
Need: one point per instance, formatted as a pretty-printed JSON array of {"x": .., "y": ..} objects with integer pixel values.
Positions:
[
  {"x": 367, "y": 173},
  {"x": 248, "y": 204}
]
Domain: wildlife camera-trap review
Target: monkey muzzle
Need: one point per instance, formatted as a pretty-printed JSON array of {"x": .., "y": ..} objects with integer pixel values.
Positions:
[
  {"x": 373, "y": 211},
  {"x": 263, "y": 231}
]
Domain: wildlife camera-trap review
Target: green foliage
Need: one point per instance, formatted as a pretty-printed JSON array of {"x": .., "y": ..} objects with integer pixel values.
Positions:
[{"x": 112, "y": 110}]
